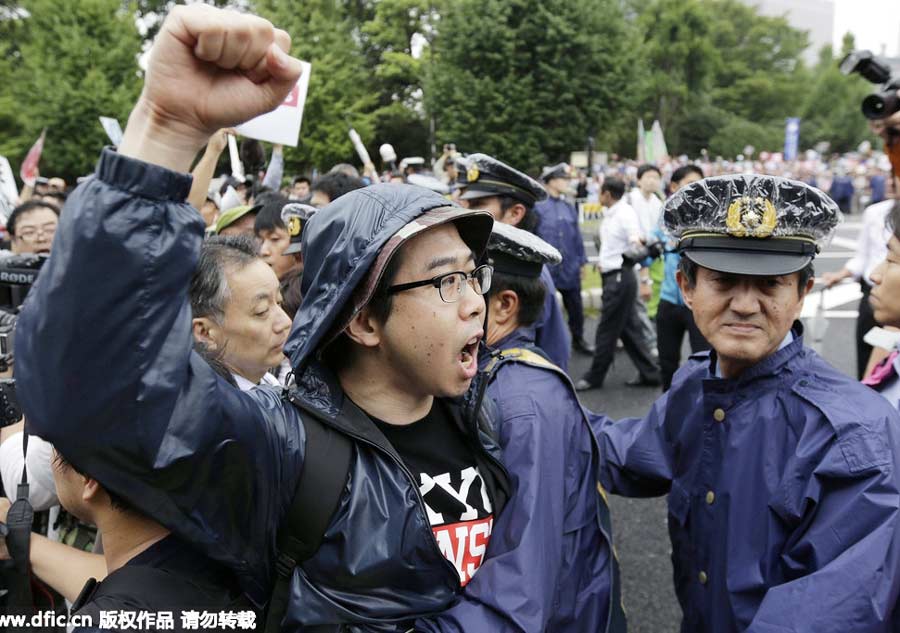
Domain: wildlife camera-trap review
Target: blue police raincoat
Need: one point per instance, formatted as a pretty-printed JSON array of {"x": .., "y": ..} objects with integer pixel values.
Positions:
[
  {"x": 783, "y": 493},
  {"x": 551, "y": 331},
  {"x": 106, "y": 373},
  {"x": 555, "y": 532},
  {"x": 558, "y": 226}
]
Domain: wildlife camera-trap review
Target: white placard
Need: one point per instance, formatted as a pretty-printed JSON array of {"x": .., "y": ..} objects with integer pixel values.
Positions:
[
  {"x": 8, "y": 190},
  {"x": 237, "y": 167},
  {"x": 281, "y": 125},
  {"x": 113, "y": 129}
]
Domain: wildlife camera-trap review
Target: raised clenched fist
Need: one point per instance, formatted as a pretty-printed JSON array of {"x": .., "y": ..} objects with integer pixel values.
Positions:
[{"x": 209, "y": 68}]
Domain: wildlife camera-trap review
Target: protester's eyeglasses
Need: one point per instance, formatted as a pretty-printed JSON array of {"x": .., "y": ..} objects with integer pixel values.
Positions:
[
  {"x": 30, "y": 234},
  {"x": 451, "y": 285}
]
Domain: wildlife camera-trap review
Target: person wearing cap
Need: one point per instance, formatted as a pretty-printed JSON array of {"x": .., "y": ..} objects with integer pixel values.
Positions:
[
  {"x": 382, "y": 349},
  {"x": 509, "y": 196},
  {"x": 558, "y": 226},
  {"x": 237, "y": 220},
  {"x": 782, "y": 473},
  {"x": 558, "y": 522}
]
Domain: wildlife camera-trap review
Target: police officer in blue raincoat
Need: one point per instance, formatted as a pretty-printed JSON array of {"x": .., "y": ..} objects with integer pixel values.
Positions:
[
  {"x": 558, "y": 226},
  {"x": 552, "y": 455},
  {"x": 782, "y": 474},
  {"x": 510, "y": 196}
]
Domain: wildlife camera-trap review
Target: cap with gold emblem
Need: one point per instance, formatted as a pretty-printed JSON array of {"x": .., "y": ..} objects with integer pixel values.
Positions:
[
  {"x": 486, "y": 176},
  {"x": 750, "y": 224},
  {"x": 560, "y": 170},
  {"x": 295, "y": 216}
]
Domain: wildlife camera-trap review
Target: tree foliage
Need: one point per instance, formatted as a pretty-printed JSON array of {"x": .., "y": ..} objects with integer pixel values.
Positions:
[
  {"x": 63, "y": 70},
  {"x": 528, "y": 80}
]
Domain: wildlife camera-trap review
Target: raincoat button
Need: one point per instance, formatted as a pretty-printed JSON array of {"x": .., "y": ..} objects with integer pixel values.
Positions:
[
  {"x": 702, "y": 577},
  {"x": 719, "y": 415},
  {"x": 710, "y": 497}
]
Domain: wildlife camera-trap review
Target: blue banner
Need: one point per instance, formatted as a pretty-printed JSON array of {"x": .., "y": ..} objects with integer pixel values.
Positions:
[{"x": 791, "y": 138}]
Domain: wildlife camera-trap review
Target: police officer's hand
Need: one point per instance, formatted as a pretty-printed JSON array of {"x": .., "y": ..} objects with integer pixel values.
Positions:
[{"x": 209, "y": 68}]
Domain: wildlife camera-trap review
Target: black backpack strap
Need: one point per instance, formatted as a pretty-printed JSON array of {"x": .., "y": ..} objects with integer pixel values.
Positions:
[{"x": 326, "y": 465}]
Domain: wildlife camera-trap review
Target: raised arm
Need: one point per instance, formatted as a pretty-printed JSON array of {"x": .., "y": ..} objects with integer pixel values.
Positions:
[{"x": 104, "y": 366}]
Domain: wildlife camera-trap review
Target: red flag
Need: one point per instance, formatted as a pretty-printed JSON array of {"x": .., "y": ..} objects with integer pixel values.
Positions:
[{"x": 29, "y": 170}]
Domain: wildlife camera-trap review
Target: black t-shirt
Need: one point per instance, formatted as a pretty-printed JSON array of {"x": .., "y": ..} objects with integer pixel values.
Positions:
[
  {"x": 171, "y": 580},
  {"x": 456, "y": 499}
]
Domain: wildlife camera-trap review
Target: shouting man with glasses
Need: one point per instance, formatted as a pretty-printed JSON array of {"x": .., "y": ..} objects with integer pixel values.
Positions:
[
  {"x": 366, "y": 493},
  {"x": 31, "y": 227}
]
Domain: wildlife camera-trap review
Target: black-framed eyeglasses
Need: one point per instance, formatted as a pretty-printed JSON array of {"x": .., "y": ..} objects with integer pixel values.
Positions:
[{"x": 451, "y": 285}]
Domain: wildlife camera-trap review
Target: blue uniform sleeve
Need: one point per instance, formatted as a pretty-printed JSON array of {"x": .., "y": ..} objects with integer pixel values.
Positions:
[
  {"x": 106, "y": 373},
  {"x": 844, "y": 556},
  {"x": 636, "y": 455},
  {"x": 551, "y": 332},
  {"x": 514, "y": 589}
]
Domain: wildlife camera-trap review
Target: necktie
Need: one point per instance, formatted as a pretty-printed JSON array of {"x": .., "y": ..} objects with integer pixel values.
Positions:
[{"x": 882, "y": 372}]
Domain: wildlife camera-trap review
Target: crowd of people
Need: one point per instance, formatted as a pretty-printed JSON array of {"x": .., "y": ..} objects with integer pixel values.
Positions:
[{"x": 341, "y": 405}]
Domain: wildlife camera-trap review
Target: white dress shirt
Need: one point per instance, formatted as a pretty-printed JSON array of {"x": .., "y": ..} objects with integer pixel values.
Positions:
[
  {"x": 871, "y": 246},
  {"x": 648, "y": 210},
  {"x": 268, "y": 380},
  {"x": 619, "y": 231}
]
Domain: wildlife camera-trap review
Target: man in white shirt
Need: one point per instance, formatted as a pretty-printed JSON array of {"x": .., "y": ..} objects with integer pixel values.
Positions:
[
  {"x": 871, "y": 248},
  {"x": 621, "y": 236}
]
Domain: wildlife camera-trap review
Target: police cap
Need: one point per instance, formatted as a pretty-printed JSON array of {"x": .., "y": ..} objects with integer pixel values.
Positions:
[
  {"x": 555, "y": 171},
  {"x": 516, "y": 252},
  {"x": 751, "y": 224},
  {"x": 295, "y": 216},
  {"x": 486, "y": 176}
]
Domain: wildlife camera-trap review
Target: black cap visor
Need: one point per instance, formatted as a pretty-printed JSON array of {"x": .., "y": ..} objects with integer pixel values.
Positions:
[{"x": 747, "y": 256}]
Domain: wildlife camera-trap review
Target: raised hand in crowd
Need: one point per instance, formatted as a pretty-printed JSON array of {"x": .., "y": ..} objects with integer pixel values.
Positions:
[
  {"x": 208, "y": 69},
  {"x": 205, "y": 168}
]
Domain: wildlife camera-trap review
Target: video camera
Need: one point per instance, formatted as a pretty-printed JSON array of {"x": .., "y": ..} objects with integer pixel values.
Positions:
[
  {"x": 878, "y": 105},
  {"x": 17, "y": 274}
]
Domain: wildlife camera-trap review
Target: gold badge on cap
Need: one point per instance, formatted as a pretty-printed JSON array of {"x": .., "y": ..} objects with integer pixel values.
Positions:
[
  {"x": 472, "y": 174},
  {"x": 751, "y": 217},
  {"x": 295, "y": 225}
]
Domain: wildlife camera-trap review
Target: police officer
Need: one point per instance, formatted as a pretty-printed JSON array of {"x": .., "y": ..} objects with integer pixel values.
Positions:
[
  {"x": 557, "y": 514},
  {"x": 558, "y": 226},
  {"x": 510, "y": 196},
  {"x": 782, "y": 473}
]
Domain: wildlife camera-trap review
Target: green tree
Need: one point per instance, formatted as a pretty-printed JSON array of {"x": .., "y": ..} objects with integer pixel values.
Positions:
[
  {"x": 64, "y": 70},
  {"x": 341, "y": 91},
  {"x": 528, "y": 80},
  {"x": 831, "y": 104},
  {"x": 388, "y": 37}
]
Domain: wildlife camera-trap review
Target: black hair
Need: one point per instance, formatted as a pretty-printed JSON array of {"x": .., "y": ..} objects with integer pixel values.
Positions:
[
  {"x": 252, "y": 155},
  {"x": 530, "y": 290},
  {"x": 209, "y": 288},
  {"x": 269, "y": 217},
  {"x": 893, "y": 220},
  {"x": 529, "y": 221},
  {"x": 27, "y": 207},
  {"x": 301, "y": 179},
  {"x": 615, "y": 187},
  {"x": 682, "y": 172},
  {"x": 643, "y": 169},
  {"x": 115, "y": 501},
  {"x": 688, "y": 268},
  {"x": 336, "y": 184}
]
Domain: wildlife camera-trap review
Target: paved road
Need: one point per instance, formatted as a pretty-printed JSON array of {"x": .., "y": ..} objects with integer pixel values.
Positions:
[{"x": 640, "y": 524}]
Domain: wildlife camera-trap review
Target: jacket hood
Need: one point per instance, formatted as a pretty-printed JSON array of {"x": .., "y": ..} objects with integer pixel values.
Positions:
[{"x": 343, "y": 241}]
